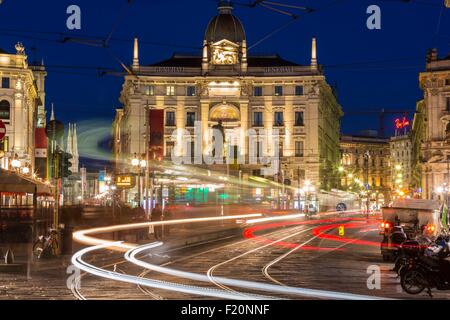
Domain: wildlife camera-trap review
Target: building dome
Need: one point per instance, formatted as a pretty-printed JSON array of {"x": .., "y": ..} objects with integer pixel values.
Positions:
[{"x": 225, "y": 25}]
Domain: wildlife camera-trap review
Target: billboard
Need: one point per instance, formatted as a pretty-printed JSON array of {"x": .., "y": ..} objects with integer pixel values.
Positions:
[
  {"x": 125, "y": 181},
  {"x": 156, "y": 143}
]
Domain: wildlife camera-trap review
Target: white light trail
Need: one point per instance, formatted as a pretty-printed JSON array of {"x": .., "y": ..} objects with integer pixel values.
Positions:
[
  {"x": 82, "y": 236},
  {"x": 131, "y": 257},
  {"x": 165, "y": 285},
  {"x": 132, "y": 250}
]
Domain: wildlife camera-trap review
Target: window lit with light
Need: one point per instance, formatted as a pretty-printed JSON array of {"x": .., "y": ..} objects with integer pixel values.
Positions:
[
  {"x": 278, "y": 91},
  {"x": 170, "y": 90}
]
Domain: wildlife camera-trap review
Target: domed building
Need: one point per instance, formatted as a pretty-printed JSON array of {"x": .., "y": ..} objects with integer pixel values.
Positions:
[{"x": 288, "y": 107}]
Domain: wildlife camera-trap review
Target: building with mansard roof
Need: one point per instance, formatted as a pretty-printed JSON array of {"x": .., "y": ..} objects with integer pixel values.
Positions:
[
  {"x": 435, "y": 142},
  {"x": 228, "y": 86},
  {"x": 22, "y": 110}
]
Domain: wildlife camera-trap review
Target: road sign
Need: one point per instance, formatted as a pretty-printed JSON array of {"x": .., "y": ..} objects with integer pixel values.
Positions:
[
  {"x": 341, "y": 231},
  {"x": 2, "y": 130}
]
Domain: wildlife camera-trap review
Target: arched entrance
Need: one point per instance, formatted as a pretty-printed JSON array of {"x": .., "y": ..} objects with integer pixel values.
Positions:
[{"x": 228, "y": 116}]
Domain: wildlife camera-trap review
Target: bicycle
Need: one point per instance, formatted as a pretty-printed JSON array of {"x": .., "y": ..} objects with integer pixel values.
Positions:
[{"x": 46, "y": 246}]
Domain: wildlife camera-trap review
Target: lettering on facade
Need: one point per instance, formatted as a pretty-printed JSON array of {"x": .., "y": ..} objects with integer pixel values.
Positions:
[
  {"x": 278, "y": 69},
  {"x": 169, "y": 69}
]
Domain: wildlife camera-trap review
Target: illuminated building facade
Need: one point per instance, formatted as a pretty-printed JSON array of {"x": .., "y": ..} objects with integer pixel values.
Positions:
[
  {"x": 227, "y": 85},
  {"x": 22, "y": 101},
  {"x": 401, "y": 160},
  {"x": 435, "y": 149},
  {"x": 360, "y": 170}
]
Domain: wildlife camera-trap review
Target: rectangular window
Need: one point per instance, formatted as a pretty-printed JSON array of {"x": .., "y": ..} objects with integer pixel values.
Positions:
[
  {"x": 190, "y": 119},
  {"x": 192, "y": 151},
  {"x": 298, "y": 90},
  {"x": 257, "y": 173},
  {"x": 170, "y": 118},
  {"x": 447, "y": 82},
  {"x": 149, "y": 90},
  {"x": 4, "y": 144},
  {"x": 448, "y": 103},
  {"x": 278, "y": 119},
  {"x": 299, "y": 118},
  {"x": 278, "y": 91},
  {"x": 258, "y": 119},
  {"x": 169, "y": 148},
  {"x": 259, "y": 150},
  {"x": 5, "y": 110},
  {"x": 5, "y": 83},
  {"x": 257, "y": 91},
  {"x": 170, "y": 90},
  {"x": 299, "y": 148},
  {"x": 190, "y": 91}
]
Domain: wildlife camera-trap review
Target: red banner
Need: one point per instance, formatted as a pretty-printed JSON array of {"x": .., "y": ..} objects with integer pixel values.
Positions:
[{"x": 156, "y": 143}]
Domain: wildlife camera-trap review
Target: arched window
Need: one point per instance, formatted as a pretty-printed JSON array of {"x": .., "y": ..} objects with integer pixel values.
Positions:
[{"x": 5, "y": 110}]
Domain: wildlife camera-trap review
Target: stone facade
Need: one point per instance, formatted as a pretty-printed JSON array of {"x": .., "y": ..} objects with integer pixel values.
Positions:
[
  {"x": 358, "y": 172},
  {"x": 22, "y": 101},
  {"x": 435, "y": 149},
  {"x": 401, "y": 160},
  {"x": 245, "y": 92}
]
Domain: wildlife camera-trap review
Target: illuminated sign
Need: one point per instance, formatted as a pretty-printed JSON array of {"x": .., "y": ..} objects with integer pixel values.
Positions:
[
  {"x": 401, "y": 123},
  {"x": 125, "y": 181}
]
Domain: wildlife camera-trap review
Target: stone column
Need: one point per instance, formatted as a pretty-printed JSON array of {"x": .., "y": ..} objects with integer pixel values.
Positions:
[
  {"x": 268, "y": 126},
  {"x": 181, "y": 125},
  {"x": 204, "y": 116},
  {"x": 244, "y": 128},
  {"x": 289, "y": 129}
]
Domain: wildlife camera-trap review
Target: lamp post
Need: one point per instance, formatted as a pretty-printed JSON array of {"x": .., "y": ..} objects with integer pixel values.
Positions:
[
  {"x": 138, "y": 164},
  {"x": 367, "y": 159}
]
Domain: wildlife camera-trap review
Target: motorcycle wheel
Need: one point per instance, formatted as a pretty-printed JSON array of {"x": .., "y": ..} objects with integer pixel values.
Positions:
[{"x": 413, "y": 281}]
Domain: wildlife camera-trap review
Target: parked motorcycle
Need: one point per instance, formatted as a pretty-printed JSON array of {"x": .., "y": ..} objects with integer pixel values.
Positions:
[{"x": 430, "y": 270}]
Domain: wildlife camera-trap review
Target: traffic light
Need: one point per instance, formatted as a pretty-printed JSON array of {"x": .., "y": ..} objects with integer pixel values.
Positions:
[
  {"x": 57, "y": 163},
  {"x": 62, "y": 164},
  {"x": 66, "y": 165}
]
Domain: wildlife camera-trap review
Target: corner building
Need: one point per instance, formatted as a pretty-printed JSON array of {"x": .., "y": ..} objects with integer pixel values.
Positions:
[{"x": 242, "y": 91}]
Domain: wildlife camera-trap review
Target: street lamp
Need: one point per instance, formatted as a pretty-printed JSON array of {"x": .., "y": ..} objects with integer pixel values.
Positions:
[
  {"x": 15, "y": 163},
  {"x": 139, "y": 164},
  {"x": 25, "y": 170},
  {"x": 135, "y": 162}
]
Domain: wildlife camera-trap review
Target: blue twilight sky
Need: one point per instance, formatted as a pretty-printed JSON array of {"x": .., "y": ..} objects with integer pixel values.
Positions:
[{"x": 372, "y": 69}]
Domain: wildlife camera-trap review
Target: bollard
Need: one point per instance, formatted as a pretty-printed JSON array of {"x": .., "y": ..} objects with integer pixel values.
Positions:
[{"x": 9, "y": 257}]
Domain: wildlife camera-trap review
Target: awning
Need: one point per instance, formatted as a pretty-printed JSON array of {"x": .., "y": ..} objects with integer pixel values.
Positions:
[{"x": 15, "y": 183}]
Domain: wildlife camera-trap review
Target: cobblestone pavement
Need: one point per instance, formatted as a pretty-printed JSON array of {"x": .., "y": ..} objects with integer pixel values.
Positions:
[{"x": 342, "y": 270}]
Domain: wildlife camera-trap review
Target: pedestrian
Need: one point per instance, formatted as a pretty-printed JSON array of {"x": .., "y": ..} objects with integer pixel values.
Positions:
[{"x": 157, "y": 216}]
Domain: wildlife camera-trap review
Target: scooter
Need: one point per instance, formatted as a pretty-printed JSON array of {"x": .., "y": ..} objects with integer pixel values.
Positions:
[{"x": 427, "y": 271}]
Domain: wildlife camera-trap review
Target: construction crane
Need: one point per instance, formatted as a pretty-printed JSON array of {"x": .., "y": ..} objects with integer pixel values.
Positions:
[{"x": 382, "y": 113}]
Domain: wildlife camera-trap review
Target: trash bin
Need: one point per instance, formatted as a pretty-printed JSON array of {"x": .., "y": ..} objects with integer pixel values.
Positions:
[{"x": 66, "y": 240}]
